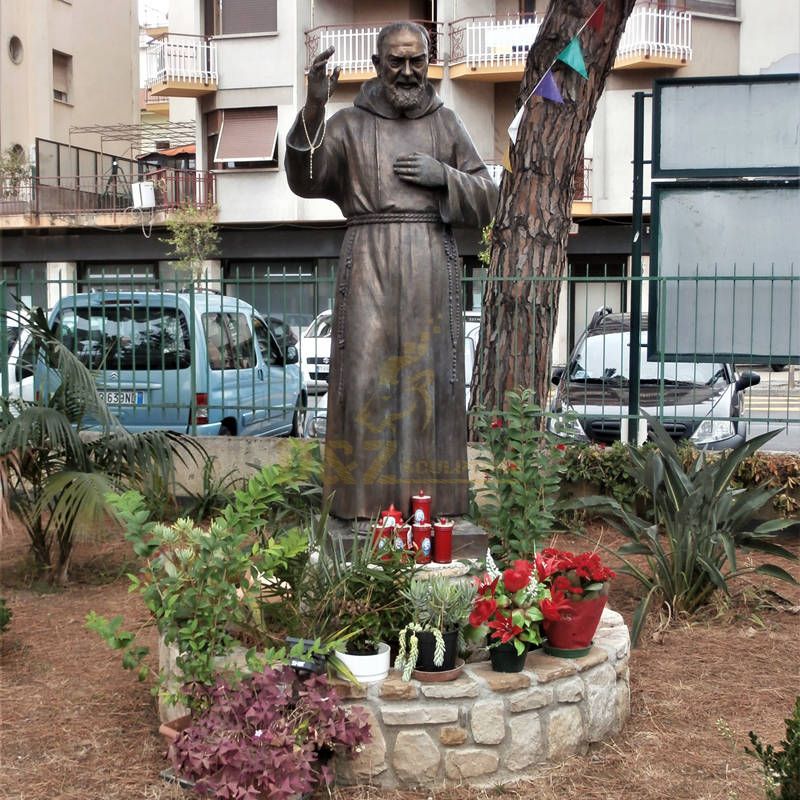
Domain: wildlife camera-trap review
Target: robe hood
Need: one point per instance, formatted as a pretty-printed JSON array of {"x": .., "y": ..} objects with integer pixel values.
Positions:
[{"x": 372, "y": 98}]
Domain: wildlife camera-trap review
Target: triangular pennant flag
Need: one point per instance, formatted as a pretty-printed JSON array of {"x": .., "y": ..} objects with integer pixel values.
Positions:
[
  {"x": 596, "y": 20},
  {"x": 513, "y": 128},
  {"x": 507, "y": 159},
  {"x": 547, "y": 88},
  {"x": 572, "y": 56}
]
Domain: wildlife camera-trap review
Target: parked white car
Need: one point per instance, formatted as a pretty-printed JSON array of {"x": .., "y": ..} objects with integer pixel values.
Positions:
[
  {"x": 19, "y": 356},
  {"x": 315, "y": 353}
]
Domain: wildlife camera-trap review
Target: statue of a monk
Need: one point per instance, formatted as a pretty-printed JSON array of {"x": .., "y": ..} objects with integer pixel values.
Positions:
[{"x": 403, "y": 170}]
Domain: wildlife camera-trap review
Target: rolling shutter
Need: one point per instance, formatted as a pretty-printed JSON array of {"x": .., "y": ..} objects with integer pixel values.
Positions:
[
  {"x": 249, "y": 16},
  {"x": 247, "y": 134}
]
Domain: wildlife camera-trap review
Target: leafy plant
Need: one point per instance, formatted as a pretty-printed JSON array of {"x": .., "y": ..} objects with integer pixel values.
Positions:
[
  {"x": 523, "y": 478},
  {"x": 5, "y": 615},
  {"x": 689, "y": 544},
  {"x": 193, "y": 235},
  {"x": 216, "y": 493},
  {"x": 14, "y": 171},
  {"x": 269, "y": 736},
  {"x": 510, "y": 605},
  {"x": 438, "y": 605},
  {"x": 356, "y": 588},
  {"x": 781, "y": 767},
  {"x": 57, "y": 473}
]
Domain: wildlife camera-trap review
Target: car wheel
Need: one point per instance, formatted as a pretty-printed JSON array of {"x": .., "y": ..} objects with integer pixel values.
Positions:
[
  {"x": 299, "y": 418},
  {"x": 777, "y": 367},
  {"x": 224, "y": 430}
]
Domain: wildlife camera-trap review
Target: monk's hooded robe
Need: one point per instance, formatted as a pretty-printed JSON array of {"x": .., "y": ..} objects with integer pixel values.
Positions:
[{"x": 396, "y": 391}]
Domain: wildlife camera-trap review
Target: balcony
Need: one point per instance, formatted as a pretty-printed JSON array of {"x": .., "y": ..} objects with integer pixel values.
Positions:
[
  {"x": 655, "y": 38},
  {"x": 117, "y": 199},
  {"x": 179, "y": 65},
  {"x": 491, "y": 49},
  {"x": 355, "y": 46},
  {"x": 494, "y": 49}
]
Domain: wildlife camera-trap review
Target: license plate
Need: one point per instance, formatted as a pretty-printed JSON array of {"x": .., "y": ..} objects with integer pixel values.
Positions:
[{"x": 123, "y": 398}]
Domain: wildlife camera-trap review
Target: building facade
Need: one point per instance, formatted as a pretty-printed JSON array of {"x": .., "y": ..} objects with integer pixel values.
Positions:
[{"x": 235, "y": 70}]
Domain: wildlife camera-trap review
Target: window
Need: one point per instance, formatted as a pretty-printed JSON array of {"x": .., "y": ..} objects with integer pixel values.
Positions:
[
  {"x": 242, "y": 138},
  {"x": 229, "y": 17},
  {"x": 122, "y": 335},
  {"x": 229, "y": 341},
  {"x": 62, "y": 76}
]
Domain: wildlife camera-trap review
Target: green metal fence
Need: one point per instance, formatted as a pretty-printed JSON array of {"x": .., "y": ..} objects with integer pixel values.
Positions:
[{"x": 680, "y": 392}]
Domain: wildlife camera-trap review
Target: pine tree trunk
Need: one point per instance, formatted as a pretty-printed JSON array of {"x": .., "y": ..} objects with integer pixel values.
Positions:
[{"x": 531, "y": 227}]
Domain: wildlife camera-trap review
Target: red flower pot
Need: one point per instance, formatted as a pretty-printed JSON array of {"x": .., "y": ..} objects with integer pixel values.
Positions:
[{"x": 571, "y": 636}]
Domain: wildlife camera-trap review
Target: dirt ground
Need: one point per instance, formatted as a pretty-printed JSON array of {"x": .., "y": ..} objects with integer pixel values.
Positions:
[{"x": 75, "y": 726}]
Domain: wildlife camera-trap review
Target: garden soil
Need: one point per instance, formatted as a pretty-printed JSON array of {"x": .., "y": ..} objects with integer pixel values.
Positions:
[{"x": 75, "y": 726}]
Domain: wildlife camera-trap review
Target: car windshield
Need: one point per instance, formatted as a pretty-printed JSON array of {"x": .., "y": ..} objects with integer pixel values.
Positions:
[
  {"x": 123, "y": 336},
  {"x": 606, "y": 359},
  {"x": 320, "y": 329}
]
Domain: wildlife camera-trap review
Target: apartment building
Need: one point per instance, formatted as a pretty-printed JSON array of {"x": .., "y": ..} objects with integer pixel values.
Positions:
[{"x": 235, "y": 70}]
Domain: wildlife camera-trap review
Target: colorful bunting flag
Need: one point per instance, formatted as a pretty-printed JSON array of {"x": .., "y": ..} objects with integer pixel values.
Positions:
[
  {"x": 595, "y": 22},
  {"x": 547, "y": 88},
  {"x": 572, "y": 56},
  {"x": 513, "y": 128}
]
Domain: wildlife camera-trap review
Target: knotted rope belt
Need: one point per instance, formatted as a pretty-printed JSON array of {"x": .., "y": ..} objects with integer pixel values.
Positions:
[{"x": 394, "y": 216}]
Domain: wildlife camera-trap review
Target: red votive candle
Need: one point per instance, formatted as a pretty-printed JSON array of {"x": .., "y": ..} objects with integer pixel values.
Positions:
[
  {"x": 443, "y": 541},
  {"x": 421, "y": 542},
  {"x": 421, "y": 507}
]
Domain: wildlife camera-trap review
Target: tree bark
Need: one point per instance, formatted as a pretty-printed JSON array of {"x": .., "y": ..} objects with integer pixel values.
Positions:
[{"x": 531, "y": 227}]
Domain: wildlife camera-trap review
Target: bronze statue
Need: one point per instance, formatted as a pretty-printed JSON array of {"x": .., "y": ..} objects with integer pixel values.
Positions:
[{"x": 403, "y": 170}]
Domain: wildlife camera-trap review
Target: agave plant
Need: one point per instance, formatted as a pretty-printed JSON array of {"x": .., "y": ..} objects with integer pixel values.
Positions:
[
  {"x": 698, "y": 522},
  {"x": 55, "y": 472}
]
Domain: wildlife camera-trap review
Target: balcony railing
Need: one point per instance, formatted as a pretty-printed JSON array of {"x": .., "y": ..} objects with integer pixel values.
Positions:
[
  {"x": 355, "y": 45},
  {"x": 180, "y": 65},
  {"x": 658, "y": 34},
  {"x": 157, "y": 190},
  {"x": 492, "y": 41}
]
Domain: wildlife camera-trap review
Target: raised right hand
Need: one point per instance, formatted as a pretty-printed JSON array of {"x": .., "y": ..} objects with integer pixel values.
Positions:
[{"x": 320, "y": 85}]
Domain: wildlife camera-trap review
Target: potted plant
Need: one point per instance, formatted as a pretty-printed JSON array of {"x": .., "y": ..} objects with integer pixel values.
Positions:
[
  {"x": 582, "y": 581},
  {"x": 430, "y": 642},
  {"x": 356, "y": 590},
  {"x": 508, "y": 611},
  {"x": 269, "y": 737}
]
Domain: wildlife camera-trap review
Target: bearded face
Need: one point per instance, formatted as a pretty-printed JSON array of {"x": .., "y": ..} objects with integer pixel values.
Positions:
[{"x": 403, "y": 68}]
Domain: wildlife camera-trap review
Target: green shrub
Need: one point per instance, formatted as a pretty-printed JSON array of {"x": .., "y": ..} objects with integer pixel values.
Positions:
[
  {"x": 695, "y": 524},
  {"x": 5, "y": 615},
  {"x": 519, "y": 501},
  {"x": 781, "y": 767}
]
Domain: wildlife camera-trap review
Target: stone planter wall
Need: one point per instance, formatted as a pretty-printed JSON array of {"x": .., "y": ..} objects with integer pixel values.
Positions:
[{"x": 486, "y": 727}]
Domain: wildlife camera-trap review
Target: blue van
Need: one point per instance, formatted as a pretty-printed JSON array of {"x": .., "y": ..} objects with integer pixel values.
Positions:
[{"x": 198, "y": 363}]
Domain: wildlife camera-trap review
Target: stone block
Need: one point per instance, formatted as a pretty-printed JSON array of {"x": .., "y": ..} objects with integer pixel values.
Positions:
[
  {"x": 569, "y": 690},
  {"x": 616, "y": 642},
  {"x": 395, "y": 688},
  {"x": 371, "y": 761},
  {"x": 462, "y": 687},
  {"x": 487, "y": 722},
  {"x": 597, "y": 655},
  {"x": 622, "y": 670},
  {"x": 526, "y": 741},
  {"x": 610, "y": 619},
  {"x": 601, "y": 702},
  {"x": 623, "y": 704},
  {"x": 419, "y": 714},
  {"x": 347, "y": 690},
  {"x": 416, "y": 757},
  {"x": 536, "y": 697},
  {"x": 565, "y": 733},
  {"x": 500, "y": 681},
  {"x": 471, "y": 763},
  {"x": 452, "y": 735},
  {"x": 548, "y": 668}
]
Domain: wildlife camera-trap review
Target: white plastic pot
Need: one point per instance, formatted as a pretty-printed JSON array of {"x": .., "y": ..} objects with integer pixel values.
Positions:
[{"x": 368, "y": 669}]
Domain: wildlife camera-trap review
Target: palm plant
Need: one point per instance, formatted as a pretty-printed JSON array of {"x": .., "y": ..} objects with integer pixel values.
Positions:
[
  {"x": 55, "y": 472},
  {"x": 689, "y": 544}
]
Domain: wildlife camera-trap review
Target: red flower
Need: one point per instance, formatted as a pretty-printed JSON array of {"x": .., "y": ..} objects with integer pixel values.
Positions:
[
  {"x": 561, "y": 447},
  {"x": 561, "y": 583},
  {"x": 504, "y": 629},
  {"x": 482, "y": 611},
  {"x": 486, "y": 586},
  {"x": 554, "y": 608},
  {"x": 497, "y": 423},
  {"x": 517, "y": 577}
]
